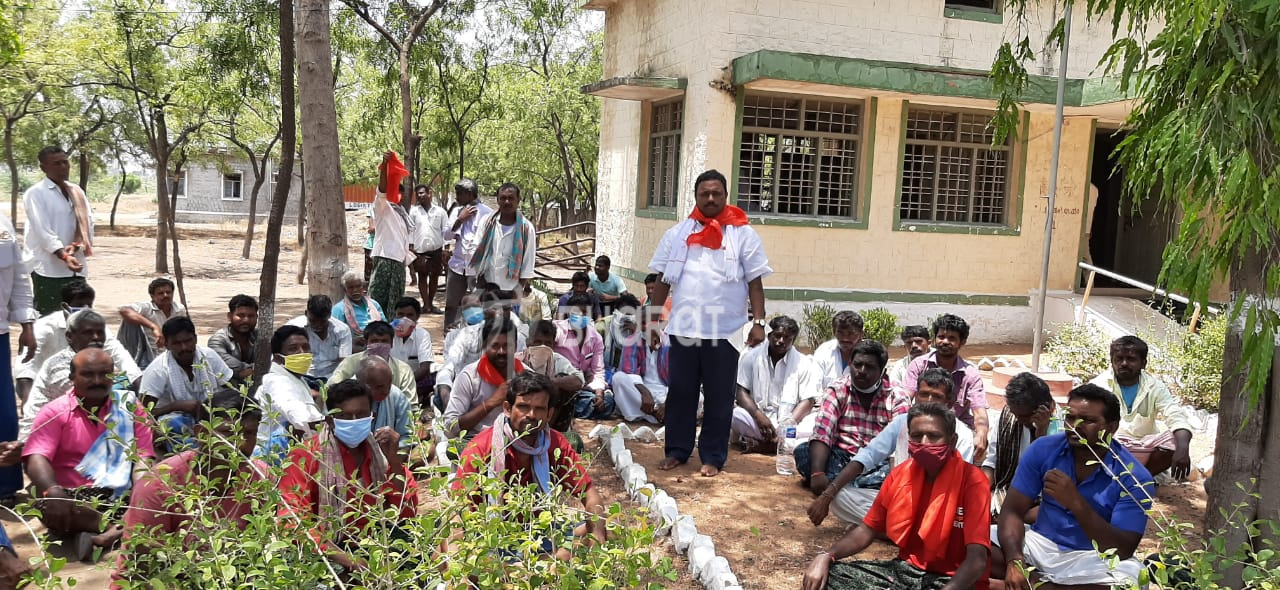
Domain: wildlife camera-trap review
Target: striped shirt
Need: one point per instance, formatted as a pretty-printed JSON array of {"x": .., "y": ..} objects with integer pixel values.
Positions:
[{"x": 844, "y": 423}]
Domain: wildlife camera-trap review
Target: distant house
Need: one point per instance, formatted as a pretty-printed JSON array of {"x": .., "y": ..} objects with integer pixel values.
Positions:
[{"x": 219, "y": 188}]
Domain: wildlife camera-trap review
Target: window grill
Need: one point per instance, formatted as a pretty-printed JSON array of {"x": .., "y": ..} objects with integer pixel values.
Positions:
[
  {"x": 950, "y": 171},
  {"x": 665, "y": 129}
]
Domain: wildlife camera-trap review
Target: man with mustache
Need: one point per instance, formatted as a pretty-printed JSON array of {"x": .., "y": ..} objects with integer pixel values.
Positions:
[
  {"x": 916, "y": 339},
  {"x": 950, "y": 332},
  {"x": 179, "y": 381},
  {"x": 477, "y": 397},
  {"x": 85, "y": 329},
  {"x": 141, "y": 324},
  {"x": 51, "y": 337},
  {"x": 521, "y": 449},
  {"x": 833, "y": 356},
  {"x": 540, "y": 356},
  {"x": 59, "y": 230}
]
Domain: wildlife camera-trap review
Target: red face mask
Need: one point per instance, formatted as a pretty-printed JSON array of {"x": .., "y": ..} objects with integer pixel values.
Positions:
[{"x": 930, "y": 457}]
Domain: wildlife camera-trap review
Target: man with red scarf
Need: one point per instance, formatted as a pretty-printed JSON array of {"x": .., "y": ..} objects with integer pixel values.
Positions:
[
  {"x": 477, "y": 396},
  {"x": 716, "y": 263},
  {"x": 934, "y": 507}
]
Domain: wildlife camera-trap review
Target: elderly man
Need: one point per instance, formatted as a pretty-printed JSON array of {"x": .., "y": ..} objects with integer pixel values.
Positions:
[
  {"x": 330, "y": 340},
  {"x": 1028, "y": 415},
  {"x": 950, "y": 333},
  {"x": 59, "y": 229},
  {"x": 775, "y": 383},
  {"x": 391, "y": 406},
  {"x": 886, "y": 451},
  {"x": 464, "y": 223},
  {"x": 507, "y": 244},
  {"x": 380, "y": 336},
  {"x": 916, "y": 339},
  {"x": 15, "y": 307},
  {"x": 477, "y": 395},
  {"x": 933, "y": 507},
  {"x": 140, "y": 323},
  {"x": 1094, "y": 497},
  {"x": 1144, "y": 399},
  {"x": 85, "y": 329},
  {"x": 641, "y": 380},
  {"x": 290, "y": 406},
  {"x": 82, "y": 450},
  {"x": 236, "y": 342},
  {"x": 833, "y": 356},
  {"x": 521, "y": 449},
  {"x": 412, "y": 344},
  {"x": 713, "y": 256},
  {"x": 51, "y": 335},
  {"x": 180, "y": 381},
  {"x": 355, "y": 311}
]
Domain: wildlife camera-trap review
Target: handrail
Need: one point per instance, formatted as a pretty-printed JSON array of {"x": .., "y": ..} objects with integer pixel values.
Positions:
[
  {"x": 1154, "y": 290},
  {"x": 564, "y": 227}
]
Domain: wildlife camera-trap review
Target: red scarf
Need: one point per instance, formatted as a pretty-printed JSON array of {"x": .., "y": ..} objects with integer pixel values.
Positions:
[
  {"x": 491, "y": 374},
  {"x": 936, "y": 527},
  {"x": 712, "y": 233},
  {"x": 395, "y": 173}
]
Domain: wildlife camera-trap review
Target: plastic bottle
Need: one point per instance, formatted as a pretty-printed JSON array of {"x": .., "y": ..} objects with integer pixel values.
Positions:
[
  {"x": 1055, "y": 421},
  {"x": 786, "y": 462}
]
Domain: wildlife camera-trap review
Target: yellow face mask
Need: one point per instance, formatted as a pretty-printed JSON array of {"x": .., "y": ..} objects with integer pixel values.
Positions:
[{"x": 298, "y": 364}]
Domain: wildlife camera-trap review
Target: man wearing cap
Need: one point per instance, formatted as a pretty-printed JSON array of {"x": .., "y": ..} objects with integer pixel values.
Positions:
[{"x": 463, "y": 230}]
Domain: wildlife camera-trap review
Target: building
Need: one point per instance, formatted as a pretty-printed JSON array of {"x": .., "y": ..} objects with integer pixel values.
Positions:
[
  {"x": 219, "y": 187},
  {"x": 855, "y": 133}
]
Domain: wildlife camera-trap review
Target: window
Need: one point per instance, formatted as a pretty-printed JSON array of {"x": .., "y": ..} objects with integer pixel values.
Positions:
[
  {"x": 989, "y": 5},
  {"x": 950, "y": 171},
  {"x": 666, "y": 124},
  {"x": 231, "y": 183},
  {"x": 799, "y": 156},
  {"x": 178, "y": 185}
]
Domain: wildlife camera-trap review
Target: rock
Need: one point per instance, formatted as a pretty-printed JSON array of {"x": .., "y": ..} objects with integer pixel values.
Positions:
[
  {"x": 714, "y": 571},
  {"x": 624, "y": 431},
  {"x": 684, "y": 532},
  {"x": 641, "y": 494},
  {"x": 636, "y": 478},
  {"x": 645, "y": 434},
  {"x": 699, "y": 558},
  {"x": 661, "y": 434}
]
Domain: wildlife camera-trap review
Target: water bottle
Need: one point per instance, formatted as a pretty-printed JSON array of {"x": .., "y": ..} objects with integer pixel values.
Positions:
[
  {"x": 786, "y": 463},
  {"x": 1055, "y": 421}
]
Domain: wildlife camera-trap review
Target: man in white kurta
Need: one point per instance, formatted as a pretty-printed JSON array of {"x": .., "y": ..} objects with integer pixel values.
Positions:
[{"x": 775, "y": 383}]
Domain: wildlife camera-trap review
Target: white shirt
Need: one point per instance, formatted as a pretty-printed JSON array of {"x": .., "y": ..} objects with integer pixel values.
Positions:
[
  {"x": 286, "y": 401},
  {"x": 167, "y": 382},
  {"x": 326, "y": 353},
  {"x": 707, "y": 303},
  {"x": 390, "y": 232},
  {"x": 148, "y": 309},
  {"x": 51, "y": 338},
  {"x": 496, "y": 272},
  {"x": 414, "y": 350},
  {"x": 463, "y": 346},
  {"x": 427, "y": 227},
  {"x": 51, "y": 225},
  {"x": 15, "y": 283},
  {"x": 53, "y": 379},
  {"x": 829, "y": 361},
  {"x": 465, "y": 239},
  {"x": 785, "y": 384}
]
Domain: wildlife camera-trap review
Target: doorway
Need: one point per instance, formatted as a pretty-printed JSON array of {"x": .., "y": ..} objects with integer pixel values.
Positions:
[{"x": 1125, "y": 237}]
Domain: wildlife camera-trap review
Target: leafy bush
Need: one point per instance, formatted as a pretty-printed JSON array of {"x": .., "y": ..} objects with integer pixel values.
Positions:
[
  {"x": 132, "y": 184},
  {"x": 1080, "y": 350},
  {"x": 1192, "y": 365},
  {"x": 880, "y": 325},
  {"x": 817, "y": 323}
]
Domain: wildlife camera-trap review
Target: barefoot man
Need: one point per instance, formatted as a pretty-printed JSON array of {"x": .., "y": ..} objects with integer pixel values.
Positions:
[{"x": 716, "y": 262}]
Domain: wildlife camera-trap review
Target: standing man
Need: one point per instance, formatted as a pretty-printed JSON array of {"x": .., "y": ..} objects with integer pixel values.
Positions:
[
  {"x": 463, "y": 223},
  {"x": 716, "y": 263},
  {"x": 507, "y": 246},
  {"x": 236, "y": 343},
  {"x": 140, "y": 322},
  {"x": 390, "y": 235},
  {"x": 59, "y": 231},
  {"x": 427, "y": 225},
  {"x": 15, "y": 306}
]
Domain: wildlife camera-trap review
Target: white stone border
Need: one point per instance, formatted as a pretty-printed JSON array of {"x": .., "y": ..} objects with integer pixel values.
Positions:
[{"x": 710, "y": 569}]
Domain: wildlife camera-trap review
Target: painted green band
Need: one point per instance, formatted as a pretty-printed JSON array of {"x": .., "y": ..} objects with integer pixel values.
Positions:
[
  {"x": 657, "y": 213},
  {"x": 982, "y": 16}
]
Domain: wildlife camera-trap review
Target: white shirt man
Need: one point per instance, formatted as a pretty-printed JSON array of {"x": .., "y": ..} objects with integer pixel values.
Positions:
[
  {"x": 148, "y": 309},
  {"x": 51, "y": 338},
  {"x": 326, "y": 352},
  {"x": 463, "y": 346},
  {"x": 830, "y": 362},
  {"x": 167, "y": 382},
  {"x": 286, "y": 402},
  {"x": 427, "y": 228},
  {"x": 390, "y": 232},
  {"x": 414, "y": 350},
  {"x": 777, "y": 388},
  {"x": 51, "y": 226},
  {"x": 466, "y": 238},
  {"x": 496, "y": 271}
]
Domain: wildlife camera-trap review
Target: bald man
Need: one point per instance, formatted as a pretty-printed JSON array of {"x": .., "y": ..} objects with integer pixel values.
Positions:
[
  {"x": 81, "y": 432},
  {"x": 390, "y": 405}
]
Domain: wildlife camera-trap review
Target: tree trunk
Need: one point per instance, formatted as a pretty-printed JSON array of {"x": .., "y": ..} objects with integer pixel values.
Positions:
[
  {"x": 173, "y": 235},
  {"x": 406, "y": 114},
  {"x": 326, "y": 219},
  {"x": 259, "y": 177},
  {"x": 280, "y": 198},
  {"x": 1246, "y": 440},
  {"x": 115, "y": 203},
  {"x": 13, "y": 170},
  {"x": 84, "y": 172},
  {"x": 162, "y": 211},
  {"x": 302, "y": 208}
]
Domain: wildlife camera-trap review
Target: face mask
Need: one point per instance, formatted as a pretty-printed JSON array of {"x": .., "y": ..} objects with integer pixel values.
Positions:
[
  {"x": 73, "y": 310},
  {"x": 473, "y": 315},
  {"x": 352, "y": 432},
  {"x": 380, "y": 349},
  {"x": 579, "y": 322},
  {"x": 930, "y": 457},
  {"x": 298, "y": 364},
  {"x": 866, "y": 391}
]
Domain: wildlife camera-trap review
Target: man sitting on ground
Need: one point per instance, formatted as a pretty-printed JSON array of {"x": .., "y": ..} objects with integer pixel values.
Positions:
[
  {"x": 236, "y": 342},
  {"x": 1028, "y": 411},
  {"x": 82, "y": 450},
  {"x": 391, "y": 406},
  {"x": 292, "y": 410},
  {"x": 916, "y": 339},
  {"x": 775, "y": 382},
  {"x": 641, "y": 381},
  {"x": 477, "y": 397},
  {"x": 350, "y": 472},
  {"x": 220, "y": 477},
  {"x": 950, "y": 332},
  {"x": 886, "y": 451},
  {"x": 854, "y": 410},
  {"x": 1144, "y": 398},
  {"x": 540, "y": 357},
  {"x": 356, "y": 310},
  {"x": 85, "y": 329},
  {"x": 412, "y": 343},
  {"x": 380, "y": 336},
  {"x": 178, "y": 383},
  {"x": 51, "y": 338},
  {"x": 581, "y": 284},
  {"x": 605, "y": 286},
  {"x": 1094, "y": 497},
  {"x": 578, "y": 341},
  {"x": 330, "y": 340},
  {"x": 534, "y": 305},
  {"x": 934, "y": 508},
  {"x": 523, "y": 451},
  {"x": 464, "y": 346},
  {"x": 833, "y": 356},
  {"x": 140, "y": 323},
  {"x": 619, "y": 328}
]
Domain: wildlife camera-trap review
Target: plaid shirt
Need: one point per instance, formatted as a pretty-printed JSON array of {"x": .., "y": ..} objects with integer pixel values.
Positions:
[{"x": 843, "y": 423}]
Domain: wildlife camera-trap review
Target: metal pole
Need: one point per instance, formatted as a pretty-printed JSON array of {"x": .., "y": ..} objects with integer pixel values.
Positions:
[{"x": 1038, "y": 337}]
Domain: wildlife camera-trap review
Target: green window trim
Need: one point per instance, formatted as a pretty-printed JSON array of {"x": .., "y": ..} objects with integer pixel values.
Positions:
[{"x": 973, "y": 14}]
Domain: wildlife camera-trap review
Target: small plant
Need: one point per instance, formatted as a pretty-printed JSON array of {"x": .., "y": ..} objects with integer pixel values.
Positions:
[
  {"x": 880, "y": 325},
  {"x": 132, "y": 184},
  {"x": 1080, "y": 350},
  {"x": 817, "y": 322},
  {"x": 1192, "y": 365}
]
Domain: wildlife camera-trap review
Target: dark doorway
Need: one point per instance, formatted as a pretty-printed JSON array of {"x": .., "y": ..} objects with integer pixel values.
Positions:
[{"x": 1125, "y": 237}]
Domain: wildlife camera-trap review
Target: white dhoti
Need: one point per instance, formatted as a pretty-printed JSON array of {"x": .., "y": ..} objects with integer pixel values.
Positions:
[
  {"x": 745, "y": 426},
  {"x": 1073, "y": 568},
  {"x": 1142, "y": 447},
  {"x": 852, "y": 504},
  {"x": 626, "y": 394}
]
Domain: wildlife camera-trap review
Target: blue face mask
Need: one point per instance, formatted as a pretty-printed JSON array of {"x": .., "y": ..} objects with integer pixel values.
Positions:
[
  {"x": 353, "y": 432},
  {"x": 579, "y": 322},
  {"x": 472, "y": 315}
]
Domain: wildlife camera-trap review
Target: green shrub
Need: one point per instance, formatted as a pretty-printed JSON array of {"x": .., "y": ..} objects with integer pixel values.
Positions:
[
  {"x": 880, "y": 325},
  {"x": 817, "y": 323},
  {"x": 132, "y": 184},
  {"x": 1192, "y": 366},
  {"x": 1080, "y": 350}
]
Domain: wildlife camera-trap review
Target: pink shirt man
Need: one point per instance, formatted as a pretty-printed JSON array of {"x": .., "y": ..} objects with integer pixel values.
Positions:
[
  {"x": 587, "y": 357},
  {"x": 63, "y": 431}
]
